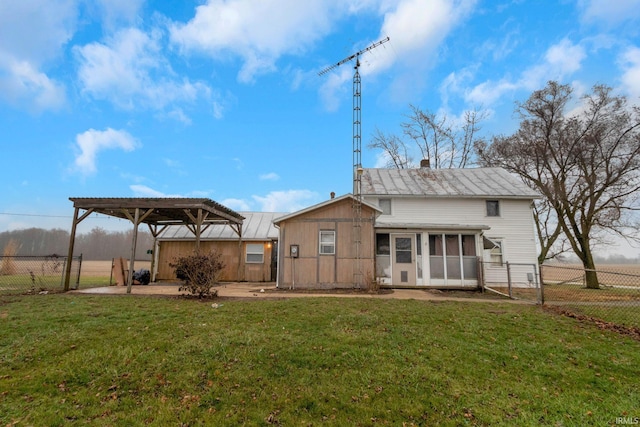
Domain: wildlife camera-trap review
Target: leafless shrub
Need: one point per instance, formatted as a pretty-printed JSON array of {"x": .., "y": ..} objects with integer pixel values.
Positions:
[{"x": 8, "y": 266}]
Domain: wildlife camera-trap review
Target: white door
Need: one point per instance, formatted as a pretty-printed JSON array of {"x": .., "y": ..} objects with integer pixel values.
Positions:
[{"x": 403, "y": 259}]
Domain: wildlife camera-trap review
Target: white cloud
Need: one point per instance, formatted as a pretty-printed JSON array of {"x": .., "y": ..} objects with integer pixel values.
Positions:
[
  {"x": 417, "y": 29},
  {"x": 419, "y": 26},
  {"x": 565, "y": 57},
  {"x": 256, "y": 32},
  {"x": 179, "y": 115},
  {"x": 144, "y": 191},
  {"x": 560, "y": 61},
  {"x": 93, "y": 141},
  {"x": 454, "y": 83},
  {"x": 259, "y": 34},
  {"x": 271, "y": 176},
  {"x": 36, "y": 30},
  {"x": 286, "y": 201},
  {"x": 333, "y": 90},
  {"x": 236, "y": 204},
  {"x": 630, "y": 60},
  {"x": 23, "y": 85},
  {"x": 609, "y": 12},
  {"x": 32, "y": 33},
  {"x": 430, "y": 22},
  {"x": 115, "y": 12},
  {"x": 130, "y": 71},
  {"x": 488, "y": 92}
]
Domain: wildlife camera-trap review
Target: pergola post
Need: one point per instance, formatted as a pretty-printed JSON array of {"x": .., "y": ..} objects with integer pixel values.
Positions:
[
  {"x": 134, "y": 242},
  {"x": 72, "y": 240},
  {"x": 198, "y": 229}
]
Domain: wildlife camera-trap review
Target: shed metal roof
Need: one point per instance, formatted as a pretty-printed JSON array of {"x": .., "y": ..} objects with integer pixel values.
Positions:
[
  {"x": 468, "y": 182},
  {"x": 256, "y": 226}
]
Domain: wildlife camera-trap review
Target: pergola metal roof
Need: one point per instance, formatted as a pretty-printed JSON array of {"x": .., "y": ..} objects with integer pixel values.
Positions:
[
  {"x": 161, "y": 210},
  {"x": 197, "y": 214}
]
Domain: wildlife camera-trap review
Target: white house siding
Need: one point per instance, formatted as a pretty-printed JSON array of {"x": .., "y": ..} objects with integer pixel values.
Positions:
[
  {"x": 449, "y": 215},
  {"x": 515, "y": 227}
]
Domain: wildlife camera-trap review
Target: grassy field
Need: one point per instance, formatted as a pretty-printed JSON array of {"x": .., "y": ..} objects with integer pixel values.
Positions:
[{"x": 69, "y": 359}]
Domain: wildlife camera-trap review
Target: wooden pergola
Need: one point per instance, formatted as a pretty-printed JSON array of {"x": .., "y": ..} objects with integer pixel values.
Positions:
[{"x": 197, "y": 214}]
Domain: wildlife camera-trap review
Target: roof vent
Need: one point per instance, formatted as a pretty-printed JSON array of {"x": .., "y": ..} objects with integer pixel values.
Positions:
[{"x": 424, "y": 163}]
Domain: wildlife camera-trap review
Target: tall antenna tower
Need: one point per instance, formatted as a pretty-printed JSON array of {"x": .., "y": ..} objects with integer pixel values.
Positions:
[{"x": 357, "y": 155}]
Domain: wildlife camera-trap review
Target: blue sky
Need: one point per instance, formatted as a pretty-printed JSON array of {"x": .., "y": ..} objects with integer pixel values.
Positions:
[{"x": 222, "y": 98}]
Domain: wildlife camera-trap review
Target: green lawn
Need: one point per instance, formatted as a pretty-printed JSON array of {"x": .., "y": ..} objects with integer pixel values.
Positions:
[{"x": 70, "y": 359}]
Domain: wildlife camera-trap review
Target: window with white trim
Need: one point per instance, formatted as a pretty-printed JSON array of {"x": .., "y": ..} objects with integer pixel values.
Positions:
[
  {"x": 255, "y": 253},
  {"x": 493, "y": 208},
  {"x": 327, "y": 242},
  {"x": 494, "y": 249},
  {"x": 385, "y": 206}
]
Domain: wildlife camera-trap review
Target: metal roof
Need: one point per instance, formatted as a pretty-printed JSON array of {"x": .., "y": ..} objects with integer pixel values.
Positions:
[
  {"x": 160, "y": 210},
  {"x": 256, "y": 226},
  {"x": 471, "y": 182}
]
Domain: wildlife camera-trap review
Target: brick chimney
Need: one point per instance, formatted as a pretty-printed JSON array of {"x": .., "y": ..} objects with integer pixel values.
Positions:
[{"x": 424, "y": 163}]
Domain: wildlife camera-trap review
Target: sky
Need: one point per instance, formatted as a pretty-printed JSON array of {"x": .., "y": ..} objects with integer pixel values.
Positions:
[{"x": 223, "y": 99}]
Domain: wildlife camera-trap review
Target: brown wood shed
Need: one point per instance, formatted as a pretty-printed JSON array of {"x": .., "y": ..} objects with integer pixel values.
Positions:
[
  {"x": 197, "y": 214},
  {"x": 318, "y": 250},
  {"x": 252, "y": 260}
]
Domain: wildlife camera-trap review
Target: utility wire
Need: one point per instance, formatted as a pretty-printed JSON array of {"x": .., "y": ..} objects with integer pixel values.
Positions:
[{"x": 55, "y": 216}]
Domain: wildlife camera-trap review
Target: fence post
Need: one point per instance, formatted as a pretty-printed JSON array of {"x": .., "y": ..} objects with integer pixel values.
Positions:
[
  {"x": 64, "y": 268},
  {"x": 540, "y": 286},
  {"x": 480, "y": 273},
  {"x": 113, "y": 264},
  {"x": 79, "y": 270},
  {"x": 509, "y": 279}
]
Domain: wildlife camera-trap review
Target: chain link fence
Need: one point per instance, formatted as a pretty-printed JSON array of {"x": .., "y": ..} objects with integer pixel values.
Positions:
[
  {"x": 35, "y": 274},
  {"x": 616, "y": 298},
  {"x": 514, "y": 280}
]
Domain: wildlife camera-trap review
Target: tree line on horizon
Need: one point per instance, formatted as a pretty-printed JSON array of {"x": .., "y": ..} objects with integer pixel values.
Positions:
[{"x": 97, "y": 244}]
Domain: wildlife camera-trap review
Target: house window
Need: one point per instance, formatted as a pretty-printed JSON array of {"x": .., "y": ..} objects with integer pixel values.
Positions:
[
  {"x": 493, "y": 208},
  {"x": 385, "y": 205},
  {"x": 327, "y": 242},
  {"x": 495, "y": 250},
  {"x": 255, "y": 253}
]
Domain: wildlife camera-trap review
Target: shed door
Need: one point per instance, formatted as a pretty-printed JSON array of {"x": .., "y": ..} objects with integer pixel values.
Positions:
[{"x": 404, "y": 260}]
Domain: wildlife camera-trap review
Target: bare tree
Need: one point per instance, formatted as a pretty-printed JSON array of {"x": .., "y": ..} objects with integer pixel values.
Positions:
[
  {"x": 394, "y": 148},
  {"x": 447, "y": 143},
  {"x": 549, "y": 231},
  {"x": 586, "y": 164}
]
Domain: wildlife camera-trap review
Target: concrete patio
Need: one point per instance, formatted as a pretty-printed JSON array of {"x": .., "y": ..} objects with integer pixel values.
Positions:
[{"x": 269, "y": 290}]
